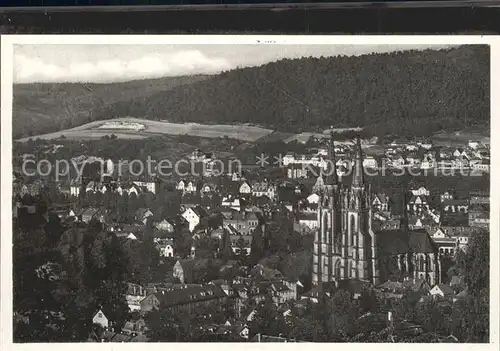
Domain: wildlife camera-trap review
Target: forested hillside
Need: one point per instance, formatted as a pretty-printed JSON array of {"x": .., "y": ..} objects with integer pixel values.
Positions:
[
  {"x": 413, "y": 92},
  {"x": 49, "y": 107}
]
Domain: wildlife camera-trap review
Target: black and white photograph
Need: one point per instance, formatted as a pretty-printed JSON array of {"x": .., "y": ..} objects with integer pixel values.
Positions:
[{"x": 253, "y": 190}]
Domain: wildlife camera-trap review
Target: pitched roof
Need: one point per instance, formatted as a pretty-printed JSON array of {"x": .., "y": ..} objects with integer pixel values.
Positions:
[
  {"x": 446, "y": 289},
  {"x": 189, "y": 294},
  {"x": 398, "y": 241}
]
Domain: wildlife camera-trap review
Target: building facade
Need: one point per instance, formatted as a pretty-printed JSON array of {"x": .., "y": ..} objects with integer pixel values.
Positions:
[{"x": 344, "y": 244}]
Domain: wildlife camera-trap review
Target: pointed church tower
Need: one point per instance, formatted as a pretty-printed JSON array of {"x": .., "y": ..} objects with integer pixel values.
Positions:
[
  {"x": 327, "y": 241},
  {"x": 358, "y": 171},
  {"x": 358, "y": 224},
  {"x": 331, "y": 178}
]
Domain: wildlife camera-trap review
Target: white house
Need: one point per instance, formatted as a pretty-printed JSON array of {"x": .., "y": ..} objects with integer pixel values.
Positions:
[
  {"x": 441, "y": 290},
  {"x": 165, "y": 247},
  {"x": 166, "y": 225},
  {"x": 446, "y": 196},
  {"x": 411, "y": 147},
  {"x": 101, "y": 319},
  {"x": 264, "y": 188},
  {"x": 420, "y": 191},
  {"x": 313, "y": 198},
  {"x": 381, "y": 202},
  {"x": 233, "y": 203},
  {"x": 192, "y": 216},
  {"x": 150, "y": 186},
  {"x": 370, "y": 162},
  {"x": 481, "y": 166},
  {"x": 474, "y": 144},
  {"x": 74, "y": 190},
  {"x": 245, "y": 188}
]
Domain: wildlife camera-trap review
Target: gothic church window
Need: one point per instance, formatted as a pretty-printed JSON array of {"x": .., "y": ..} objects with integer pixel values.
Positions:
[
  {"x": 353, "y": 225},
  {"x": 337, "y": 269},
  {"x": 324, "y": 227}
]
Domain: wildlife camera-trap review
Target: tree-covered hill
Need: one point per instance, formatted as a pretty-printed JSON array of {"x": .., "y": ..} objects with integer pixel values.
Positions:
[
  {"x": 411, "y": 92},
  {"x": 48, "y": 107}
]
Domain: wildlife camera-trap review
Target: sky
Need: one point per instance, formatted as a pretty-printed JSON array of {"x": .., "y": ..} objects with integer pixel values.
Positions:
[{"x": 102, "y": 63}]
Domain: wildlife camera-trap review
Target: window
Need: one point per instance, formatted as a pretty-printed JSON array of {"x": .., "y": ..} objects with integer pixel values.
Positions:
[{"x": 99, "y": 315}]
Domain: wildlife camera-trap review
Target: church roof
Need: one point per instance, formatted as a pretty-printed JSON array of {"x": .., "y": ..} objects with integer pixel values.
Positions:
[{"x": 394, "y": 242}]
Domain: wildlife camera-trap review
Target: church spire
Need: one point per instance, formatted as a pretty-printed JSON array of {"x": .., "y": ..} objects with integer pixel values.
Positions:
[
  {"x": 357, "y": 178},
  {"x": 331, "y": 178}
]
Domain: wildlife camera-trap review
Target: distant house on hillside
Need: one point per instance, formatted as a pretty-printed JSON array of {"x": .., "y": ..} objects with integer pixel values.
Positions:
[
  {"x": 101, "y": 319},
  {"x": 183, "y": 270}
]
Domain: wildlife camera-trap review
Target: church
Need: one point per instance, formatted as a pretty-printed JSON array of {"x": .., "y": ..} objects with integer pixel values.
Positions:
[{"x": 345, "y": 244}]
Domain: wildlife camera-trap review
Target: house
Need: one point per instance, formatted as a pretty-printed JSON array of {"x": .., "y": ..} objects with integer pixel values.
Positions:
[
  {"x": 441, "y": 290},
  {"x": 426, "y": 145},
  {"x": 183, "y": 270},
  {"x": 187, "y": 187},
  {"x": 232, "y": 202},
  {"x": 416, "y": 286},
  {"x": 91, "y": 213},
  {"x": 142, "y": 215},
  {"x": 126, "y": 235},
  {"x": 412, "y": 160},
  {"x": 370, "y": 162},
  {"x": 420, "y": 191},
  {"x": 194, "y": 216},
  {"x": 445, "y": 243},
  {"x": 446, "y": 196},
  {"x": 208, "y": 188},
  {"x": 244, "y": 222},
  {"x": 307, "y": 222},
  {"x": 380, "y": 202},
  {"x": 101, "y": 319},
  {"x": 134, "y": 295},
  {"x": 281, "y": 292},
  {"x": 241, "y": 244},
  {"x": 165, "y": 247},
  {"x": 411, "y": 147},
  {"x": 479, "y": 197},
  {"x": 397, "y": 161},
  {"x": 455, "y": 206},
  {"x": 166, "y": 225},
  {"x": 418, "y": 204},
  {"x": 264, "y": 189},
  {"x": 479, "y": 215},
  {"x": 245, "y": 188},
  {"x": 481, "y": 166},
  {"x": 474, "y": 144},
  {"x": 148, "y": 185},
  {"x": 185, "y": 299}
]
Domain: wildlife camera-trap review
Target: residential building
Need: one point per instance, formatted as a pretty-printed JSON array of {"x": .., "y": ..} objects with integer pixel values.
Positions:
[
  {"x": 455, "y": 206},
  {"x": 101, "y": 319},
  {"x": 243, "y": 222},
  {"x": 187, "y": 299},
  {"x": 380, "y": 202},
  {"x": 194, "y": 216},
  {"x": 264, "y": 189},
  {"x": 441, "y": 291},
  {"x": 418, "y": 204},
  {"x": 479, "y": 197},
  {"x": 165, "y": 247},
  {"x": 245, "y": 188},
  {"x": 183, "y": 270},
  {"x": 446, "y": 196},
  {"x": 479, "y": 215},
  {"x": 142, "y": 215}
]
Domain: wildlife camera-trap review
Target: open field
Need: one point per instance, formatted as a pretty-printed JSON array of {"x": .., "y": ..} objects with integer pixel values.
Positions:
[
  {"x": 95, "y": 130},
  {"x": 459, "y": 138}
]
